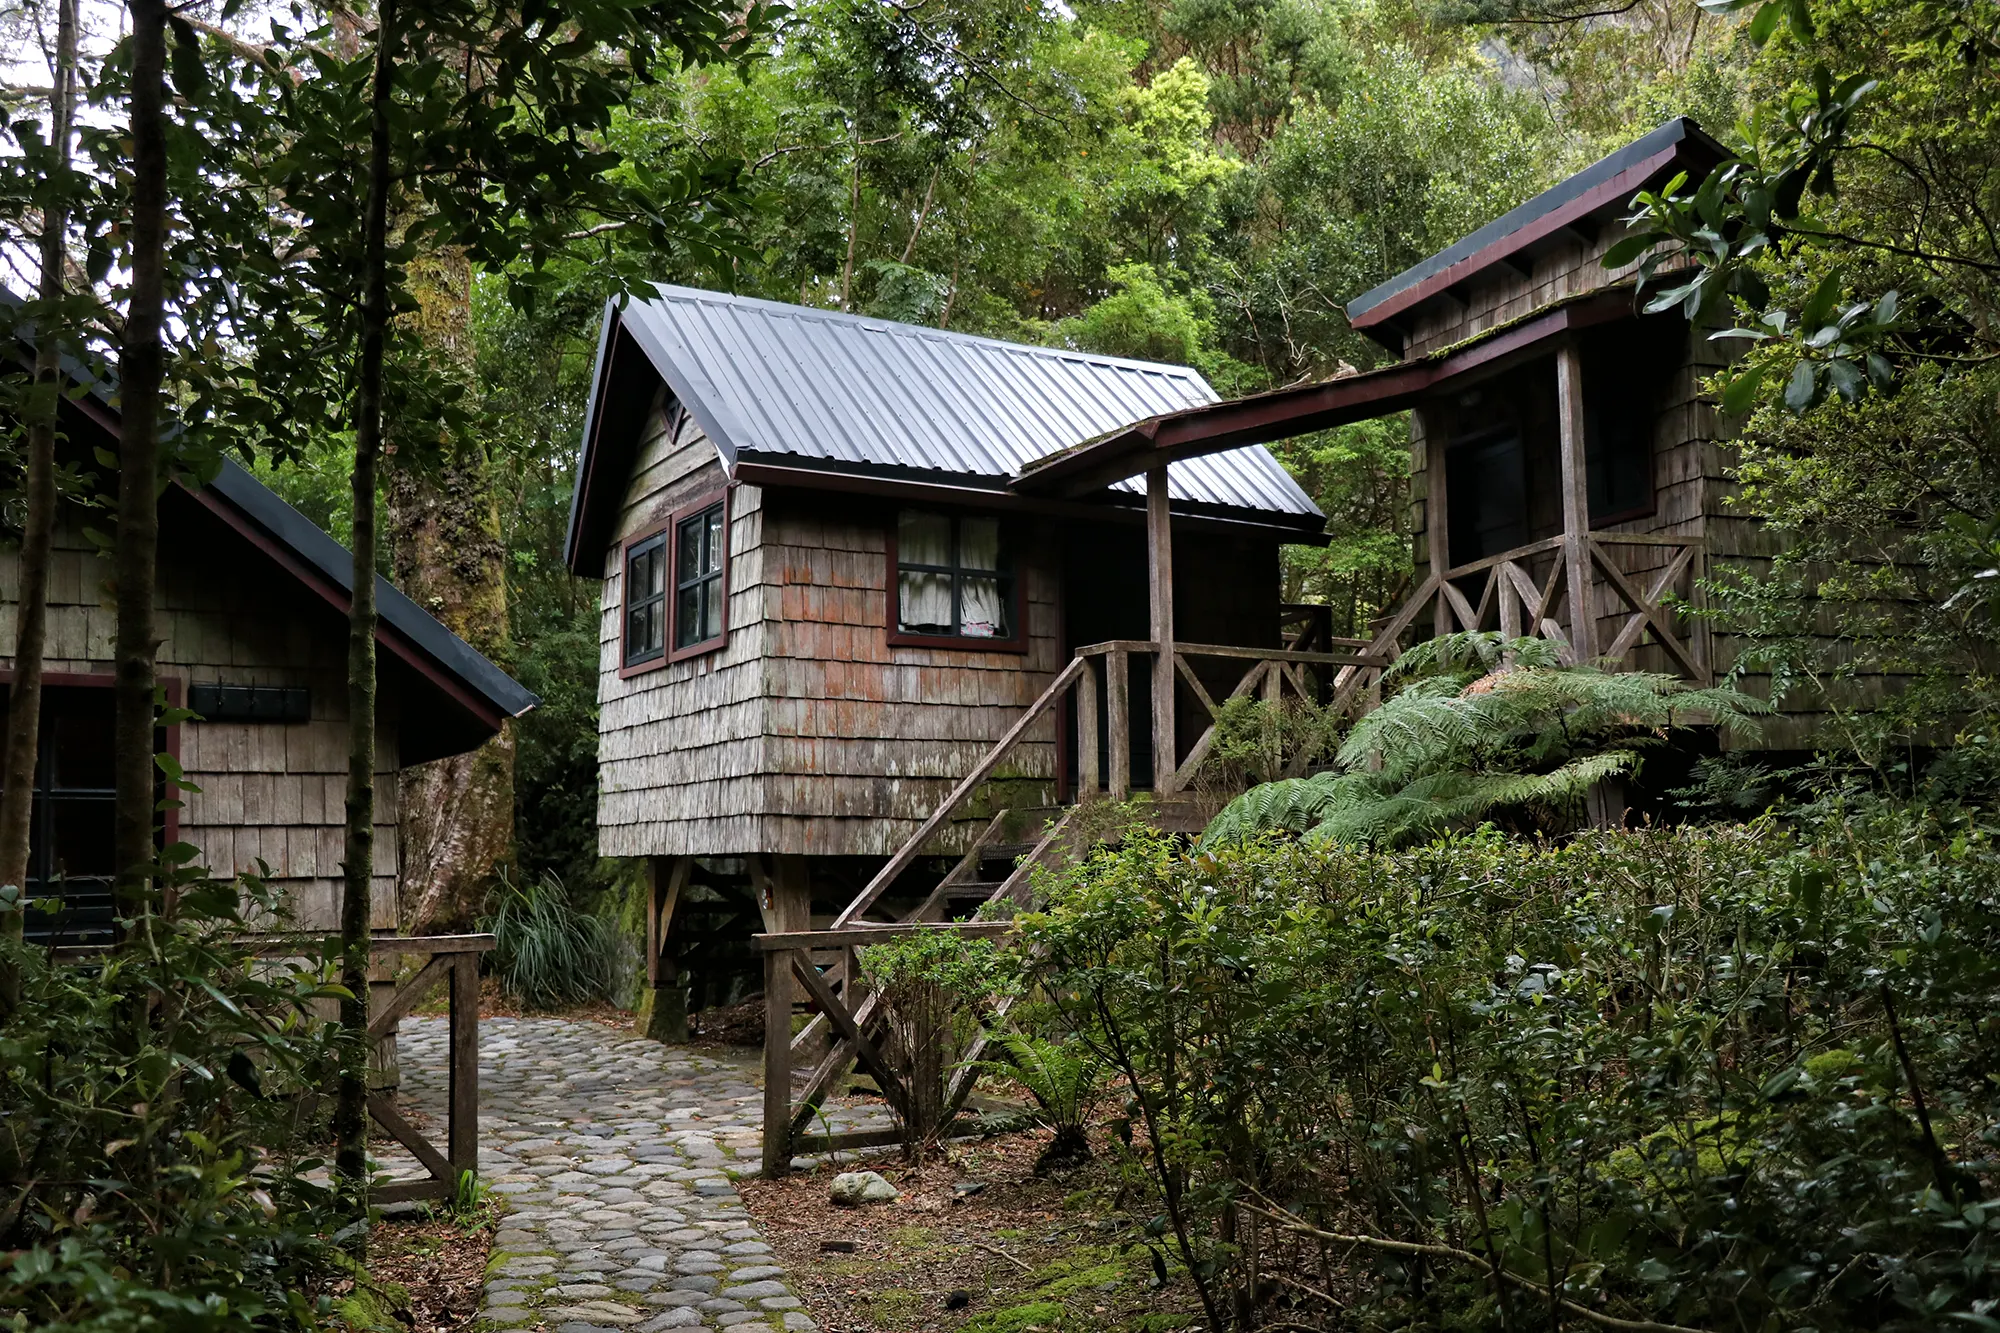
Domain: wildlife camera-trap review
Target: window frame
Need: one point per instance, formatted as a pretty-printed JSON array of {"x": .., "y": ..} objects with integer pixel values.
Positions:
[
  {"x": 1009, "y": 572},
  {"x": 653, "y": 532},
  {"x": 701, "y": 504},
  {"x": 167, "y": 738},
  {"x": 665, "y": 527}
]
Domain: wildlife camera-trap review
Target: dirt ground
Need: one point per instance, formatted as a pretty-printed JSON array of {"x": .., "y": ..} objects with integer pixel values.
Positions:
[
  {"x": 425, "y": 1275},
  {"x": 977, "y": 1243}
]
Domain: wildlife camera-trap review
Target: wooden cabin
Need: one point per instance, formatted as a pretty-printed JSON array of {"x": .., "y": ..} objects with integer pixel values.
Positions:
[
  {"x": 1562, "y": 452},
  {"x": 252, "y": 609},
  {"x": 823, "y": 605}
]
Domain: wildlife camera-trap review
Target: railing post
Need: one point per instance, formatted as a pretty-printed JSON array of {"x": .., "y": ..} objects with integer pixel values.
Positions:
[
  {"x": 1160, "y": 580},
  {"x": 1118, "y": 720},
  {"x": 463, "y": 1117},
  {"x": 1086, "y": 733},
  {"x": 1576, "y": 503},
  {"x": 777, "y": 1062}
]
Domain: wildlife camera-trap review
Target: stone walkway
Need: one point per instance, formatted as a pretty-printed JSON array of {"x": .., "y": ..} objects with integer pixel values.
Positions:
[{"x": 614, "y": 1155}]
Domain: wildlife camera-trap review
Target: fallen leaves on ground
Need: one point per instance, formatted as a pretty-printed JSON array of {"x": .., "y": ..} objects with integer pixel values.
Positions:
[{"x": 977, "y": 1242}]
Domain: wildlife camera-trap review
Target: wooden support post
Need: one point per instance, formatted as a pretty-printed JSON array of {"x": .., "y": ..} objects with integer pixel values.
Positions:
[
  {"x": 1118, "y": 721},
  {"x": 785, "y": 896},
  {"x": 1160, "y": 584},
  {"x": 777, "y": 1063},
  {"x": 1086, "y": 734},
  {"x": 1576, "y": 503},
  {"x": 662, "y": 1012},
  {"x": 1437, "y": 514},
  {"x": 463, "y": 1117}
]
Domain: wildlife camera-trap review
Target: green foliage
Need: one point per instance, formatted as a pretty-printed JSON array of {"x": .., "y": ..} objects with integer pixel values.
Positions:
[
  {"x": 156, "y": 1122},
  {"x": 1672, "y": 1074},
  {"x": 935, "y": 986},
  {"x": 1480, "y": 725},
  {"x": 1063, "y": 1078},
  {"x": 547, "y": 954}
]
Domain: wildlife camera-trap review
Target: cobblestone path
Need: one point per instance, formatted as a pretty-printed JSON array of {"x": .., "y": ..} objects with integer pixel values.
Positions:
[{"x": 614, "y": 1155}]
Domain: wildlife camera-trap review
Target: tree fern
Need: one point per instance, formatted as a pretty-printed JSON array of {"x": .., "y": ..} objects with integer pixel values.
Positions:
[{"x": 1481, "y": 724}]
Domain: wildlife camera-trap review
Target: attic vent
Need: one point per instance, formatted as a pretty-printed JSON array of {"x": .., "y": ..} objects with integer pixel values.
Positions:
[{"x": 250, "y": 703}]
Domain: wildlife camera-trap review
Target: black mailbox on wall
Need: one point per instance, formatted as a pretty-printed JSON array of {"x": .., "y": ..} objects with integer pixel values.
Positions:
[{"x": 250, "y": 703}]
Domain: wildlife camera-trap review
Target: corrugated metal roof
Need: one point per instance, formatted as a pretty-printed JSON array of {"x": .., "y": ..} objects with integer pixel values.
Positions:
[{"x": 774, "y": 381}]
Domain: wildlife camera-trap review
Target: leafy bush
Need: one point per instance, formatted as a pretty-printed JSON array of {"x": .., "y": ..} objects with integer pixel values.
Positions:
[
  {"x": 1063, "y": 1078},
  {"x": 935, "y": 986},
  {"x": 157, "y": 1105},
  {"x": 547, "y": 954},
  {"x": 1479, "y": 725},
  {"x": 1738, "y": 1078}
]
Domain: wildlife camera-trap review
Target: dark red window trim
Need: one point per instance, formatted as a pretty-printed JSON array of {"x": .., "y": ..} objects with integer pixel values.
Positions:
[
  {"x": 660, "y": 530},
  {"x": 899, "y": 638},
  {"x": 670, "y": 525}
]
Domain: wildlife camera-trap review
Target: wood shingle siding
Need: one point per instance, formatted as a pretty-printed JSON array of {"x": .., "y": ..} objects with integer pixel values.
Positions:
[
  {"x": 807, "y": 732},
  {"x": 269, "y": 791}
]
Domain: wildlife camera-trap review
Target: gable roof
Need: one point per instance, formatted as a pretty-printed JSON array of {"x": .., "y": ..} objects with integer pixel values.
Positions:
[
  {"x": 480, "y": 694},
  {"x": 1581, "y": 204},
  {"x": 816, "y": 391}
]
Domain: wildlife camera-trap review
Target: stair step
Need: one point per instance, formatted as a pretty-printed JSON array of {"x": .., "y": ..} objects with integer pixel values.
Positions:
[
  {"x": 972, "y": 888},
  {"x": 1006, "y": 851}
]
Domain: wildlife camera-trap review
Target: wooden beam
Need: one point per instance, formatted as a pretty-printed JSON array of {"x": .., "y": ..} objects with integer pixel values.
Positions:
[
  {"x": 462, "y": 1119},
  {"x": 1088, "y": 768},
  {"x": 1576, "y": 501},
  {"x": 1118, "y": 724},
  {"x": 408, "y": 996},
  {"x": 1160, "y": 587},
  {"x": 777, "y": 1064},
  {"x": 410, "y": 1137},
  {"x": 843, "y": 1022},
  {"x": 842, "y": 936}
]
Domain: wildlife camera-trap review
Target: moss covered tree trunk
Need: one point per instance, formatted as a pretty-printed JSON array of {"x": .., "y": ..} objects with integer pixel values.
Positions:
[
  {"x": 24, "y": 701},
  {"x": 457, "y": 814},
  {"x": 135, "y": 552},
  {"x": 350, "y": 1122}
]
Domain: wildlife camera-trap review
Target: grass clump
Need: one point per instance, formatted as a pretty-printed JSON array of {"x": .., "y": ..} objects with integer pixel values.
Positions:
[{"x": 548, "y": 954}]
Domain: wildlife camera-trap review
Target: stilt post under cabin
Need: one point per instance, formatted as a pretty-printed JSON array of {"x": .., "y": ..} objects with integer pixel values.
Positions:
[
  {"x": 1437, "y": 516},
  {"x": 1160, "y": 584},
  {"x": 662, "y": 1012},
  {"x": 1576, "y": 503}
]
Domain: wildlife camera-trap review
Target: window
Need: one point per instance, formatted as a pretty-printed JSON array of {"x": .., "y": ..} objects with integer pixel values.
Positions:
[
  {"x": 69, "y": 838},
  {"x": 646, "y": 600},
  {"x": 954, "y": 578},
  {"x": 677, "y": 586},
  {"x": 701, "y": 544},
  {"x": 1488, "y": 495}
]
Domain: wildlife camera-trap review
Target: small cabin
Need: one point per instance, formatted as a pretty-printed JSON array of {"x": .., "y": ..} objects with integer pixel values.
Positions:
[
  {"x": 1569, "y": 479},
  {"x": 252, "y": 613},
  {"x": 823, "y": 604}
]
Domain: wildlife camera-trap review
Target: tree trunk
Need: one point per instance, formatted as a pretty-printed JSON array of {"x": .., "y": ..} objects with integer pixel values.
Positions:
[
  {"x": 135, "y": 555},
  {"x": 24, "y": 700},
  {"x": 357, "y": 899},
  {"x": 457, "y": 814}
]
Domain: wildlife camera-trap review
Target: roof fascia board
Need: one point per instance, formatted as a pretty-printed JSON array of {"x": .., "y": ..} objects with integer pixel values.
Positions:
[
  {"x": 1626, "y": 183},
  {"x": 1285, "y": 413},
  {"x": 696, "y": 393},
  {"x": 607, "y": 332},
  {"x": 1302, "y": 529}
]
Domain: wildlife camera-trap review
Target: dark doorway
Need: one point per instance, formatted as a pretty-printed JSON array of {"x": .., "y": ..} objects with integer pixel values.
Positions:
[
  {"x": 69, "y": 844},
  {"x": 1106, "y": 596},
  {"x": 1486, "y": 480}
]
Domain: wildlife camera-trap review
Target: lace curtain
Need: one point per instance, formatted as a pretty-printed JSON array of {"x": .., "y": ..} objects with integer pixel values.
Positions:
[
  {"x": 925, "y": 599},
  {"x": 981, "y": 612}
]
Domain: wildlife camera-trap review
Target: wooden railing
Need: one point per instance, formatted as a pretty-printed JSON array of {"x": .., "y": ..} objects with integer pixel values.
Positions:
[
  {"x": 450, "y": 958},
  {"x": 1524, "y": 593},
  {"x": 852, "y": 1011}
]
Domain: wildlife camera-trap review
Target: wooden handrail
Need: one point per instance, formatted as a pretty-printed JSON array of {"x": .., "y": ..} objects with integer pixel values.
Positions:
[
  {"x": 841, "y": 937},
  {"x": 274, "y": 944},
  {"x": 900, "y": 862}
]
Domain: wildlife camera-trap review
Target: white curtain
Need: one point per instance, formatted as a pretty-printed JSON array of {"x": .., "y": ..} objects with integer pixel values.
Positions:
[{"x": 924, "y": 599}]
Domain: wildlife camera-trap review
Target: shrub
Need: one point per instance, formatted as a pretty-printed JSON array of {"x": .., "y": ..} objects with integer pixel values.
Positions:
[
  {"x": 547, "y": 954},
  {"x": 1731, "y": 1078},
  {"x": 935, "y": 986},
  {"x": 157, "y": 1107},
  {"x": 1063, "y": 1078}
]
